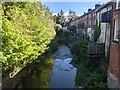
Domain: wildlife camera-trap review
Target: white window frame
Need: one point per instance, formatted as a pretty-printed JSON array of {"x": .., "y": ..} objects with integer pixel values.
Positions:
[
  {"x": 117, "y": 2},
  {"x": 116, "y": 29}
]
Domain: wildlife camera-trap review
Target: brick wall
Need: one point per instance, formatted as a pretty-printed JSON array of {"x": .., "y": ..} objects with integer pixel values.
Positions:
[
  {"x": 114, "y": 61},
  {"x": 119, "y": 49}
]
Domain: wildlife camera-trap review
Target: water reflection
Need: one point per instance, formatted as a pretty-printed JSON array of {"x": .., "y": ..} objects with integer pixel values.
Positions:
[
  {"x": 63, "y": 74},
  {"x": 37, "y": 76},
  {"x": 57, "y": 73}
]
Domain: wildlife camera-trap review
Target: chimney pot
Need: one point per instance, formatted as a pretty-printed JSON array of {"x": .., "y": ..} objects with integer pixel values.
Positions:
[
  {"x": 89, "y": 10},
  {"x": 97, "y": 5}
]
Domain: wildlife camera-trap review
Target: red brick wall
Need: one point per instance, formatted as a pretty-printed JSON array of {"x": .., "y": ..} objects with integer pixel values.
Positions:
[
  {"x": 119, "y": 45},
  {"x": 119, "y": 61},
  {"x": 114, "y": 48},
  {"x": 113, "y": 63},
  {"x": 93, "y": 19}
]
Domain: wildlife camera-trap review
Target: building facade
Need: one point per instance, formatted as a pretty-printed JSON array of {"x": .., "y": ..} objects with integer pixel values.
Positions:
[
  {"x": 86, "y": 22},
  {"x": 104, "y": 18},
  {"x": 108, "y": 16},
  {"x": 114, "y": 61}
]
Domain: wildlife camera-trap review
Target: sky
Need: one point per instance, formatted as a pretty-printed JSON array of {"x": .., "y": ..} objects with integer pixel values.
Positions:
[{"x": 78, "y": 7}]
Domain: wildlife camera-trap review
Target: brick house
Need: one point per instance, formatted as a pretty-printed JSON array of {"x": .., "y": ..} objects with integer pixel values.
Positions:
[
  {"x": 114, "y": 61},
  {"x": 86, "y": 22},
  {"x": 109, "y": 17}
]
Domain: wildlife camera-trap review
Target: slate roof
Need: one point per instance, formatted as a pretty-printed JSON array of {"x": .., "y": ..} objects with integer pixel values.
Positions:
[{"x": 95, "y": 10}]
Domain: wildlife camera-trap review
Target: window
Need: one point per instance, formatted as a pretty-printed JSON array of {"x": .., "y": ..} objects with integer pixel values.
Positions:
[
  {"x": 118, "y": 4},
  {"x": 109, "y": 8},
  {"x": 116, "y": 30}
]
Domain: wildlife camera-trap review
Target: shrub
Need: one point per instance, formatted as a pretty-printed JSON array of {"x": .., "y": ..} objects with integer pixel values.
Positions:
[
  {"x": 95, "y": 80},
  {"x": 58, "y": 27},
  {"x": 53, "y": 46},
  {"x": 97, "y": 31},
  {"x": 79, "y": 47}
]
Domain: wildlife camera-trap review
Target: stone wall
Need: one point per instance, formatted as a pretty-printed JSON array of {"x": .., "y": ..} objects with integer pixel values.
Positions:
[{"x": 112, "y": 80}]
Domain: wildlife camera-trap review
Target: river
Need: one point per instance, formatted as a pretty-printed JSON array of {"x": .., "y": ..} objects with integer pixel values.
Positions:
[{"x": 57, "y": 72}]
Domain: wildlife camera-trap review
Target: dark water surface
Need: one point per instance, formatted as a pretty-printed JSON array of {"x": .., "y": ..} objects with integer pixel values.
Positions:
[{"x": 51, "y": 73}]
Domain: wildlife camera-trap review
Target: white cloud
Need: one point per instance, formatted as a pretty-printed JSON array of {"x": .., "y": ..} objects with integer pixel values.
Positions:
[
  {"x": 84, "y": 8},
  {"x": 66, "y": 13},
  {"x": 54, "y": 14}
]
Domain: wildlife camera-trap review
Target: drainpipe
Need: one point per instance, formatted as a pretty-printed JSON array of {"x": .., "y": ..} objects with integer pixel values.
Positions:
[
  {"x": 119, "y": 50},
  {"x": 110, "y": 31},
  {"x": 105, "y": 38}
]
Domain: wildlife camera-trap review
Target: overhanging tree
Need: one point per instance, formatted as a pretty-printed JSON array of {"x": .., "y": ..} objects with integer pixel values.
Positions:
[{"x": 27, "y": 29}]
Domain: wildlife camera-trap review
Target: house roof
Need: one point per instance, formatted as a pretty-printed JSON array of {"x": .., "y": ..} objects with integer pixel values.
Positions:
[
  {"x": 94, "y": 10},
  {"x": 83, "y": 15},
  {"x": 103, "y": 6}
]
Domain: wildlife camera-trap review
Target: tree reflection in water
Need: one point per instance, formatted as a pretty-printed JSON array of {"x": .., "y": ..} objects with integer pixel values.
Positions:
[{"x": 38, "y": 75}]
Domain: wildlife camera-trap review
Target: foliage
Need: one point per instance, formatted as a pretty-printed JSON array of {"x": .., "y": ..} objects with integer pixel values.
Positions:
[
  {"x": 95, "y": 80},
  {"x": 79, "y": 47},
  {"x": 53, "y": 47},
  {"x": 88, "y": 74},
  {"x": 63, "y": 19},
  {"x": 61, "y": 12},
  {"x": 97, "y": 31},
  {"x": 83, "y": 70},
  {"x": 64, "y": 37},
  {"x": 27, "y": 29},
  {"x": 58, "y": 27},
  {"x": 72, "y": 15},
  {"x": 60, "y": 18}
]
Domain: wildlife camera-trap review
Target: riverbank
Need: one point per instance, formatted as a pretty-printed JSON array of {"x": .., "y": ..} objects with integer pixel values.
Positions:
[
  {"x": 16, "y": 81},
  {"x": 72, "y": 63},
  {"x": 11, "y": 79},
  {"x": 91, "y": 73},
  {"x": 48, "y": 73},
  {"x": 24, "y": 37}
]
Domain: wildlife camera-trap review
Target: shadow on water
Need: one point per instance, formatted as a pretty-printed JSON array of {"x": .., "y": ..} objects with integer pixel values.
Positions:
[
  {"x": 51, "y": 73},
  {"x": 37, "y": 75}
]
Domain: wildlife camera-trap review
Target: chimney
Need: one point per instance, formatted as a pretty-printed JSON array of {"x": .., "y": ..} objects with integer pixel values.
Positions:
[
  {"x": 97, "y": 5},
  {"x": 89, "y": 10}
]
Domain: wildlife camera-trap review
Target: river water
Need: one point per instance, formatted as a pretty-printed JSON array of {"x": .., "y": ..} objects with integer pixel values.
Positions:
[{"x": 57, "y": 72}]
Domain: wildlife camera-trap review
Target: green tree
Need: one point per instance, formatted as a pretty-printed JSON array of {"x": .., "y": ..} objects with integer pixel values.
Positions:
[
  {"x": 97, "y": 31},
  {"x": 26, "y": 32},
  {"x": 61, "y": 13},
  {"x": 58, "y": 27},
  {"x": 72, "y": 15}
]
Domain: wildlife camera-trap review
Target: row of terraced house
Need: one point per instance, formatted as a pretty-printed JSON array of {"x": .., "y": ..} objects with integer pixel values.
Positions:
[{"x": 108, "y": 17}]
